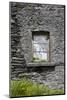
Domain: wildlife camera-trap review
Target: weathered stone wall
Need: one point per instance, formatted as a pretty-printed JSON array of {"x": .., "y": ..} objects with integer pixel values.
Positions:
[
  {"x": 39, "y": 17},
  {"x": 52, "y": 76},
  {"x": 17, "y": 59}
]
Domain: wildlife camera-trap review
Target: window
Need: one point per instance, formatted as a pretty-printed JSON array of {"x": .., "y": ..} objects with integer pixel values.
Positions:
[{"x": 40, "y": 46}]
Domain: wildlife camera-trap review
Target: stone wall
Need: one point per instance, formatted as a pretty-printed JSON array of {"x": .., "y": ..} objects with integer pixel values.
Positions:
[
  {"x": 51, "y": 76},
  {"x": 28, "y": 17}
]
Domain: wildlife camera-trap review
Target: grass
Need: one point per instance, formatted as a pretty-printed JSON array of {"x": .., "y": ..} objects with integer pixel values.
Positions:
[
  {"x": 26, "y": 87},
  {"x": 37, "y": 60}
]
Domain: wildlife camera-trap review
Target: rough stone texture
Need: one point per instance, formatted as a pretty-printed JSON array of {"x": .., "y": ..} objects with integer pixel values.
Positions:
[
  {"x": 53, "y": 76},
  {"x": 28, "y": 17},
  {"x": 17, "y": 55}
]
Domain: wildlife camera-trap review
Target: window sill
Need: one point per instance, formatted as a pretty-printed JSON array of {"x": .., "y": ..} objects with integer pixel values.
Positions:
[{"x": 37, "y": 64}]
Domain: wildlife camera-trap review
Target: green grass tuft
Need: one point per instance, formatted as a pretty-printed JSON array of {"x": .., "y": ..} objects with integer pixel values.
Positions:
[{"x": 26, "y": 87}]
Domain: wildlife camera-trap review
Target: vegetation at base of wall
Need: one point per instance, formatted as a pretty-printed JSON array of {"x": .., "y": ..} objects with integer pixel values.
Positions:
[{"x": 28, "y": 88}]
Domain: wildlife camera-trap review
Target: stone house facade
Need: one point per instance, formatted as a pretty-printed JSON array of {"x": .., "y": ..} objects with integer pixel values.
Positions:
[{"x": 27, "y": 19}]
